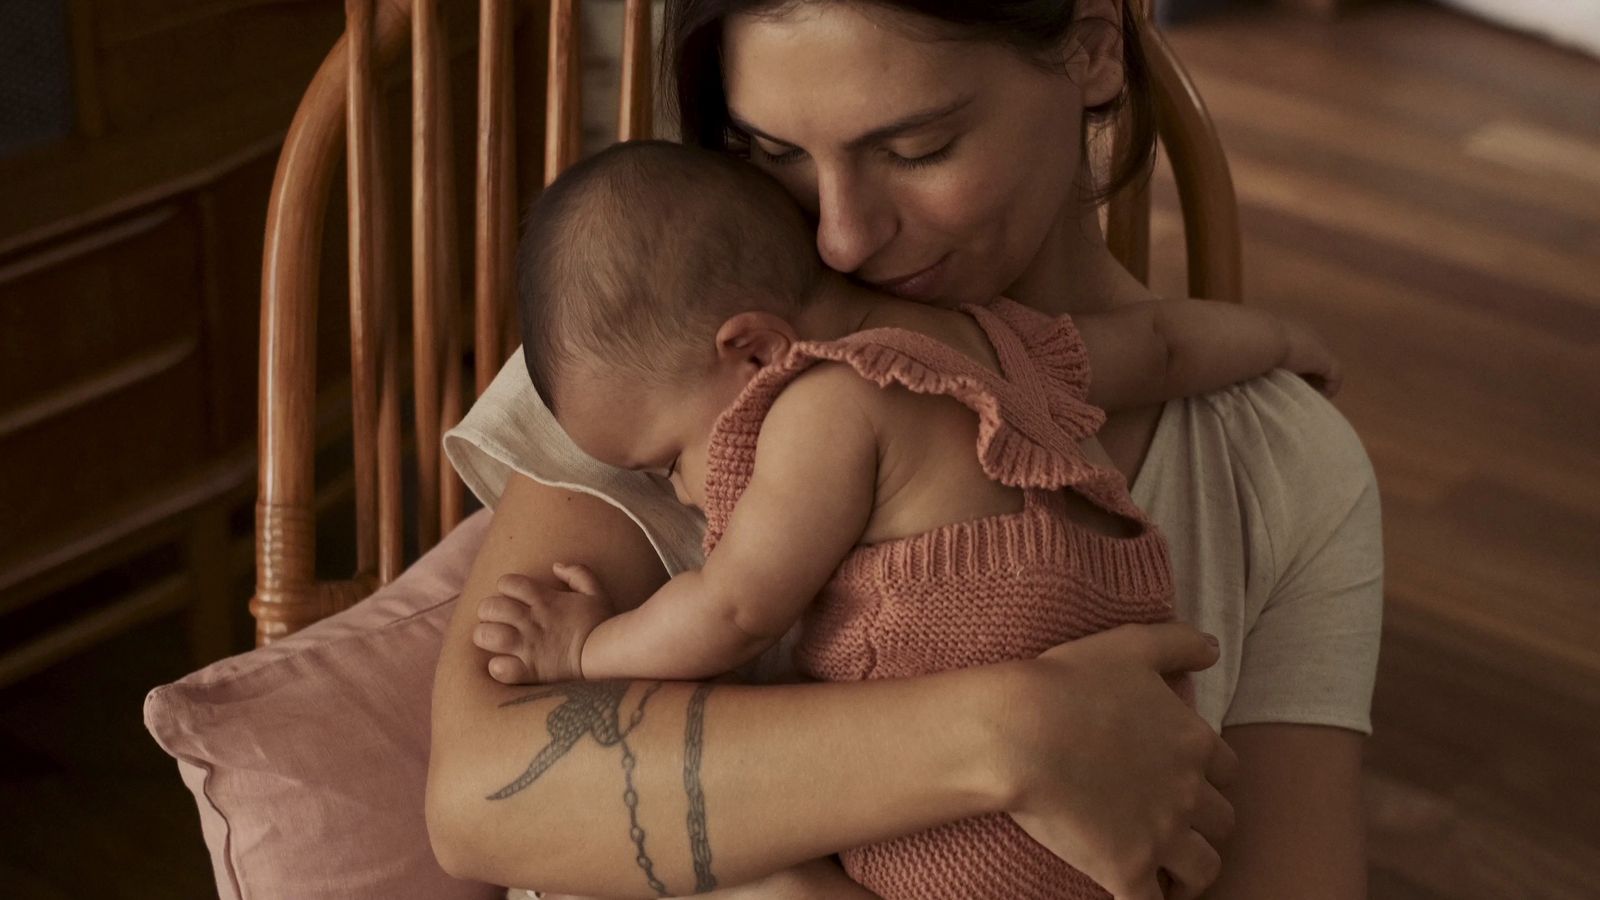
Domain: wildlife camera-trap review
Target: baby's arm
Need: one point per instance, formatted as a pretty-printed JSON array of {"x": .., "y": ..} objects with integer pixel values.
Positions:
[
  {"x": 1147, "y": 353},
  {"x": 805, "y": 508}
]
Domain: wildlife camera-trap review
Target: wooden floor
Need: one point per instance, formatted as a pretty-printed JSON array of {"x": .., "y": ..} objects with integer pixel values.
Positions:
[
  {"x": 1423, "y": 188},
  {"x": 1426, "y": 190}
]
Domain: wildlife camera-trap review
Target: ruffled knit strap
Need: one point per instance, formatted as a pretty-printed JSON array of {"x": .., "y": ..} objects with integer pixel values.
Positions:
[
  {"x": 1028, "y": 432},
  {"x": 1043, "y": 354}
]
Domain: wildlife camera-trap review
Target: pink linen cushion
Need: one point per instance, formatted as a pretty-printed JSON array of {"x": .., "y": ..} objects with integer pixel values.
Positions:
[{"x": 308, "y": 757}]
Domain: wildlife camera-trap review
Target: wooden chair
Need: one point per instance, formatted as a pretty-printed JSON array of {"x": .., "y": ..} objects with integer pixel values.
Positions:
[{"x": 340, "y": 112}]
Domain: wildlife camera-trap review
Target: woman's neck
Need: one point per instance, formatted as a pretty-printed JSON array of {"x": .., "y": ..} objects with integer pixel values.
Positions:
[{"x": 1074, "y": 271}]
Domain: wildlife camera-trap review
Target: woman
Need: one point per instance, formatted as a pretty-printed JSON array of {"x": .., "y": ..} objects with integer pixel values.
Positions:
[{"x": 940, "y": 148}]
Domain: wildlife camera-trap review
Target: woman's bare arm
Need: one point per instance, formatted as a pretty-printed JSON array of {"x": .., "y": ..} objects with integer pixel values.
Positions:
[
  {"x": 765, "y": 772},
  {"x": 1086, "y": 747},
  {"x": 1300, "y": 818}
]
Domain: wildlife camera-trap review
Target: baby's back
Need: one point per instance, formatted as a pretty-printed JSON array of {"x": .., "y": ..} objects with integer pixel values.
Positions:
[
  {"x": 957, "y": 568},
  {"x": 995, "y": 535},
  {"x": 996, "y": 532}
]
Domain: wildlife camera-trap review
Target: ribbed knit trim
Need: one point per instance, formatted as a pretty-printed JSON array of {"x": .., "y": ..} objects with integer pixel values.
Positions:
[{"x": 1114, "y": 571}]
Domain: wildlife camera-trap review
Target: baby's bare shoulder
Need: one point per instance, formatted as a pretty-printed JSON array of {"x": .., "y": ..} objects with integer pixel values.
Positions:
[
  {"x": 832, "y": 389},
  {"x": 837, "y": 393}
]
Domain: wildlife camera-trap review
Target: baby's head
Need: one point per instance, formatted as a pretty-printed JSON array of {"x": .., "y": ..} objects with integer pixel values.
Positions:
[{"x": 631, "y": 265}]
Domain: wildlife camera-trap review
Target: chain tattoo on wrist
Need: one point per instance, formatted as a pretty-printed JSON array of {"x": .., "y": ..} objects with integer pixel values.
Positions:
[
  {"x": 595, "y": 709},
  {"x": 699, "y": 845}
]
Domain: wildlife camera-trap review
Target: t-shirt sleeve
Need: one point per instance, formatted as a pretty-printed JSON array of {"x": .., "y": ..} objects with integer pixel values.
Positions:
[
  {"x": 510, "y": 430},
  {"x": 1311, "y": 654}
]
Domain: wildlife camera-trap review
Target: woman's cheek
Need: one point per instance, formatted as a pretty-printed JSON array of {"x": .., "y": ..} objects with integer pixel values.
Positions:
[{"x": 966, "y": 215}]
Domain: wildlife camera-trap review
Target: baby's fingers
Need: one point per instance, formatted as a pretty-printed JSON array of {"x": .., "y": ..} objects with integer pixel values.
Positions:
[
  {"x": 577, "y": 577},
  {"x": 510, "y": 670},
  {"x": 496, "y": 637},
  {"x": 520, "y": 587},
  {"x": 500, "y": 608}
]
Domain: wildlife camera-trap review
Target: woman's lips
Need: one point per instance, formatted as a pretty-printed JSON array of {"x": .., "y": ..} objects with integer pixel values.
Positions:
[{"x": 923, "y": 285}]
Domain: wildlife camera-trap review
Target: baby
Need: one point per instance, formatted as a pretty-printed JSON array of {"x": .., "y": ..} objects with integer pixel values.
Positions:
[{"x": 920, "y": 486}]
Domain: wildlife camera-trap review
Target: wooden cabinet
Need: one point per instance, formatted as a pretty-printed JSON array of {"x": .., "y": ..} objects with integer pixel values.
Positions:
[{"x": 130, "y": 260}]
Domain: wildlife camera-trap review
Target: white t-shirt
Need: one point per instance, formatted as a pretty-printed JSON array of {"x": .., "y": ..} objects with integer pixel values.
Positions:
[{"x": 1264, "y": 492}]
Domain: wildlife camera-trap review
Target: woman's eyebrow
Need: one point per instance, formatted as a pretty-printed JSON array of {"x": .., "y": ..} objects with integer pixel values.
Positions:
[{"x": 893, "y": 129}]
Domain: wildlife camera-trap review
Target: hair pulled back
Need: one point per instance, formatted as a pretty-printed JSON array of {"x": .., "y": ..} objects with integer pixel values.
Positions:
[{"x": 1034, "y": 28}]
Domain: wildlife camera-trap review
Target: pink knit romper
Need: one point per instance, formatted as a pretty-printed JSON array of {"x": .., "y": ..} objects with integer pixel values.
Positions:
[{"x": 990, "y": 589}]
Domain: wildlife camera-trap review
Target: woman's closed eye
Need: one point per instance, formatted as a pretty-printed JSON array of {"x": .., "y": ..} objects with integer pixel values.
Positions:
[
  {"x": 790, "y": 155},
  {"x": 777, "y": 157},
  {"x": 926, "y": 159}
]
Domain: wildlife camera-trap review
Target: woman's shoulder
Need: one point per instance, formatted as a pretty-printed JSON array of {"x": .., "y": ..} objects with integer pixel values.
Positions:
[
  {"x": 1271, "y": 506},
  {"x": 1271, "y": 452},
  {"x": 1273, "y": 424}
]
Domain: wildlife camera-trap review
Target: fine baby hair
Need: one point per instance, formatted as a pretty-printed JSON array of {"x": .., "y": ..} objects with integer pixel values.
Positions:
[{"x": 636, "y": 255}]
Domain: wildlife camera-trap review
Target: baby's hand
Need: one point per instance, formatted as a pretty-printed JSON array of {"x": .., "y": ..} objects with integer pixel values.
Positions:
[
  {"x": 1310, "y": 358},
  {"x": 539, "y": 632}
]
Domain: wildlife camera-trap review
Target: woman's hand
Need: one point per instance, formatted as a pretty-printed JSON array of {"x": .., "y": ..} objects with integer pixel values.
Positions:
[
  {"x": 819, "y": 879},
  {"x": 1111, "y": 771}
]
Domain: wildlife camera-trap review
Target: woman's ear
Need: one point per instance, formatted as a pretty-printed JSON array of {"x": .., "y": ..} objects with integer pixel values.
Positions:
[
  {"x": 1094, "y": 51},
  {"x": 758, "y": 338}
]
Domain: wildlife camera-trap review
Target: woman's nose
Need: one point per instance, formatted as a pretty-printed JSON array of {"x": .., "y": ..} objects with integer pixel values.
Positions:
[{"x": 853, "y": 222}]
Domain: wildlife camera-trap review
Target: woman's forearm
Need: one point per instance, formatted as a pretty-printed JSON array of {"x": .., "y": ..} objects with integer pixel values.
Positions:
[
  {"x": 624, "y": 789},
  {"x": 598, "y": 788}
]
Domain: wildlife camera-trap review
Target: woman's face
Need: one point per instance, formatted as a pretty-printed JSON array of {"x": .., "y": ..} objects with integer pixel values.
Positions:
[{"x": 935, "y": 169}]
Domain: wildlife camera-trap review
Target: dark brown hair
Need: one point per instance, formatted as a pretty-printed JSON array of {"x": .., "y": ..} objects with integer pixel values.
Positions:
[
  {"x": 1035, "y": 28},
  {"x": 636, "y": 254}
]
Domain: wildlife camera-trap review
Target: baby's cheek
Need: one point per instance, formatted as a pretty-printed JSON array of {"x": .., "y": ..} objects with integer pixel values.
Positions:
[
  {"x": 690, "y": 481},
  {"x": 687, "y": 496}
]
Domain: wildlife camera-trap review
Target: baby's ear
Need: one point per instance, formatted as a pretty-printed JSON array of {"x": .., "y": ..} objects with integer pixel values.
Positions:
[{"x": 761, "y": 338}]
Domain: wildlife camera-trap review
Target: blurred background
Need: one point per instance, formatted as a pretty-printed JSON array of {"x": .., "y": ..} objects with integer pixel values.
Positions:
[{"x": 1419, "y": 180}]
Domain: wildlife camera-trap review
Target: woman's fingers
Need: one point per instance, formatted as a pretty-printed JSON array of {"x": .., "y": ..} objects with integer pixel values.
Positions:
[
  {"x": 1114, "y": 772},
  {"x": 1192, "y": 864},
  {"x": 1223, "y": 767},
  {"x": 1147, "y": 889},
  {"x": 1213, "y": 817},
  {"x": 1179, "y": 647}
]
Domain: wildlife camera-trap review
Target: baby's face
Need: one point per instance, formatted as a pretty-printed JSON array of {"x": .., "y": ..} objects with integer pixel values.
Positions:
[{"x": 661, "y": 430}]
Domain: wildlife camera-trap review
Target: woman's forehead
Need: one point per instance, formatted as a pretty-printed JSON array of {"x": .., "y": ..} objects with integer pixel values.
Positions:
[{"x": 841, "y": 70}]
